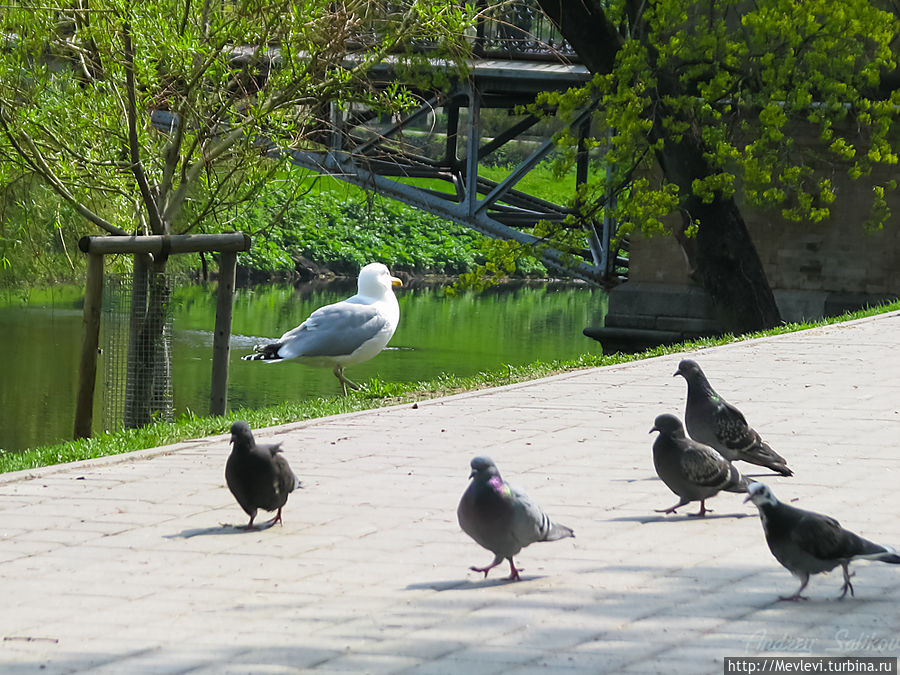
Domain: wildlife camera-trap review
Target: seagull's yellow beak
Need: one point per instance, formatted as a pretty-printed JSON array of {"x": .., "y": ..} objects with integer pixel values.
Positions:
[{"x": 396, "y": 282}]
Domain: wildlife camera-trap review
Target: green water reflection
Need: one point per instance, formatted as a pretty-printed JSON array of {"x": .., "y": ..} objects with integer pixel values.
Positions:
[{"x": 437, "y": 334}]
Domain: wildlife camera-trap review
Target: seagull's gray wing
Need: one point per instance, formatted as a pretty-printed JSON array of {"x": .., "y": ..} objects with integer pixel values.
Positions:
[{"x": 333, "y": 330}]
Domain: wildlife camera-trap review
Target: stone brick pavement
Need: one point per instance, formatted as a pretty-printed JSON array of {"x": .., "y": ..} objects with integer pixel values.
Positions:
[{"x": 127, "y": 564}]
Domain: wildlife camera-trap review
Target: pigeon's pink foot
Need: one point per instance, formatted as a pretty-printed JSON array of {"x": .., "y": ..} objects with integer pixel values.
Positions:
[
  {"x": 482, "y": 569},
  {"x": 703, "y": 510}
]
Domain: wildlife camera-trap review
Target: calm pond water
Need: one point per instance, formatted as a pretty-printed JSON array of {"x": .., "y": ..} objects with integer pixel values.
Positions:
[{"x": 437, "y": 334}]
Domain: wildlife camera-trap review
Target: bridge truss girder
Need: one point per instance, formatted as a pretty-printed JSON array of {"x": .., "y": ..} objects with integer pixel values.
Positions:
[{"x": 379, "y": 162}]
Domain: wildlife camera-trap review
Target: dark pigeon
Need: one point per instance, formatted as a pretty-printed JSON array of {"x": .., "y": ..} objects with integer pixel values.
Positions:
[
  {"x": 501, "y": 518},
  {"x": 711, "y": 420},
  {"x": 258, "y": 476},
  {"x": 693, "y": 471},
  {"x": 807, "y": 543}
]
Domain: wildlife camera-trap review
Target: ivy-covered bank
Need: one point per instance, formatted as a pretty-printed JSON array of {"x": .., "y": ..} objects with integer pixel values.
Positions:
[{"x": 343, "y": 229}]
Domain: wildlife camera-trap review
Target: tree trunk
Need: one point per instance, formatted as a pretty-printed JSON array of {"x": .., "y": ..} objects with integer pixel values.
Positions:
[
  {"x": 148, "y": 380},
  {"x": 725, "y": 261},
  {"x": 728, "y": 267},
  {"x": 722, "y": 256}
]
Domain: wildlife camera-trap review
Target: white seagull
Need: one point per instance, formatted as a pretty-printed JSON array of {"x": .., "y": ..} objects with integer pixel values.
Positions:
[{"x": 345, "y": 333}]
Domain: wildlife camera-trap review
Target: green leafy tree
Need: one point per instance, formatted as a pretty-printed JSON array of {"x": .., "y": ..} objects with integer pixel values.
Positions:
[
  {"x": 700, "y": 98},
  {"x": 155, "y": 117}
]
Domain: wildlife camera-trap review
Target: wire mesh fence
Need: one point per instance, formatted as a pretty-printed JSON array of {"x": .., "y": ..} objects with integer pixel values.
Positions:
[{"x": 136, "y": 332}]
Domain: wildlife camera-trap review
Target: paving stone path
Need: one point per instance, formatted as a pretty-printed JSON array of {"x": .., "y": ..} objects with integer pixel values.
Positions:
[{"x": 132, "y": 564}]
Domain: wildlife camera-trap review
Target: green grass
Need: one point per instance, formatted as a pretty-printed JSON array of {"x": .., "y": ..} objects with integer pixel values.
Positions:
[{"x": 375, "y": 394}]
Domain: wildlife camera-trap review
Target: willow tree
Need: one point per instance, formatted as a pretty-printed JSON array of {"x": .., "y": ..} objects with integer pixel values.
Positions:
[
  {"x": 159, "y": 117},
  {"x": 698, "y": 99}
]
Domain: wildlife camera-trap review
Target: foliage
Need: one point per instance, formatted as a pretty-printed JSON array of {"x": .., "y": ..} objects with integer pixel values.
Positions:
[
  {"x": 79, "y": 88},
  {"x": 777, "y": 94},
  {"x": 343, "y": 227},
  {"x": 344, "y": 230},
  {"x": 375, "y": 394}
]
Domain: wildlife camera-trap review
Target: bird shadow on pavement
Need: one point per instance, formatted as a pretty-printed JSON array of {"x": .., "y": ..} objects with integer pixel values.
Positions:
[
  {"x": 468, "y": 584},
  {"x": 633, "y": 480},
  {"x": 223, "y": 528},
  {"x": 679, "y": 518}
]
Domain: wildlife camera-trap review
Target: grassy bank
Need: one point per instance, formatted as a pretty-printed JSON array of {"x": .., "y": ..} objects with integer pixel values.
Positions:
[{"x": 376, "y": 394}]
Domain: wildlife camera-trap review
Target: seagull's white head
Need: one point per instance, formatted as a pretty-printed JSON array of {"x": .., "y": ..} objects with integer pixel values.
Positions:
[
  {"x": 375, "y": 281},
  {"x": 760, "y": 494}
]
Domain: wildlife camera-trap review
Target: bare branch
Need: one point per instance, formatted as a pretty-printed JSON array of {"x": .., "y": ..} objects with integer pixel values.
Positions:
[
  {"x": 32, "y": 156},
  {"x": 137, "y": 168}
]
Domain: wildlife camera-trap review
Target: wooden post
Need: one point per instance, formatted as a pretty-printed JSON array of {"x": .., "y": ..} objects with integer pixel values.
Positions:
[
  {"x": 93, "y": 301},
  {"x": 218, "y": 396},
  {"x": 228, "y": 243}
]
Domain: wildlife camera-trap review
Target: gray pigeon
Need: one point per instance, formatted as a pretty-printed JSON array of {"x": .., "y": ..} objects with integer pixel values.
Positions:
[
  {"x": 692, "y": 471},
  {"x": 710, "y": 419},
  {"x": 258, "y": 476},
  {"x": 807, "y": 543},
  {"x": 501, "y": 518}
]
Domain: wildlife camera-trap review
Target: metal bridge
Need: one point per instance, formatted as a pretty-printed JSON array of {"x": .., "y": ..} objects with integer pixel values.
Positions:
[
  {"x": 425, "y": 145},
  {"x": 443, "y": 144}
]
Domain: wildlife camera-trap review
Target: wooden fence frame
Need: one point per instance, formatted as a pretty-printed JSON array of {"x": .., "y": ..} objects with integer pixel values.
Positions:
[{"x": 228, "y": 244}]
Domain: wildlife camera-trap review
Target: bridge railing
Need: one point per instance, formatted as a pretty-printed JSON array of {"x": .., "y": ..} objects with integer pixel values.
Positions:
[{"x": 518, "y": 29}]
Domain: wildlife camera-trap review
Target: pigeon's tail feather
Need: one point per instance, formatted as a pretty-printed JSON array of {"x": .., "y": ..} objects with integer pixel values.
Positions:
[
  {"x": 889, "y": 555},
  {"x": 762, "y": 454},
  {"x": 737, "y": 482},
  {"x": 558, "y": 531},
  {"x": 268, "y": 352},
  {"x": 869, "y": 550}
]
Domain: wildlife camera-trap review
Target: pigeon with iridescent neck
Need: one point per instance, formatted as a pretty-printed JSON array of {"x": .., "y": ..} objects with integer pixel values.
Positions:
[
  {"x": 712, "y": 420},
  {"x": 502, "y": 518}
]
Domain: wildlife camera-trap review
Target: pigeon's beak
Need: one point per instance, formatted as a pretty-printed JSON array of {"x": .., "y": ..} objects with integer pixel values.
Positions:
[
  {"x": 748, "y": 499},
  {"x": 231, "y": 442},
  {"x": 472, "y": 474},
  {"x": 676, "y": 373},
  {"x": 396, "y": 282},
  {"x": 652, "y": 430}
]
